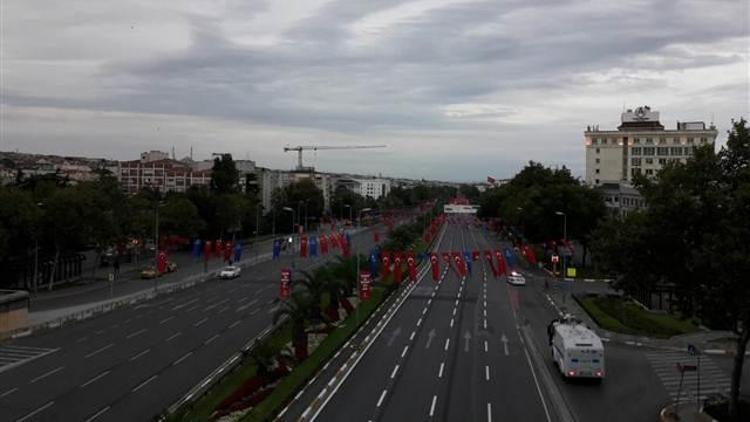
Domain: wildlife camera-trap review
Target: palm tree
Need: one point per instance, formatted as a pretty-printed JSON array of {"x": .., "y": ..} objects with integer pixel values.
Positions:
[
  {"x": 346, "y": 271},
  {"x": 297, "y": 309},
  {"x": 336, "y": 288},
  {"x": 315, "y": 284}
]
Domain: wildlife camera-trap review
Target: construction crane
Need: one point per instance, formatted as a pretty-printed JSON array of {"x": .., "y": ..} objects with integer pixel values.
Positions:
[{"x": 301, "y": 148}]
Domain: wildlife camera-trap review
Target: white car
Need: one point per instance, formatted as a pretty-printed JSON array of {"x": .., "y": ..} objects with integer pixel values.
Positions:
[
  {"x": 229, "y": 272},
  {"x": 517, "y": 279}
]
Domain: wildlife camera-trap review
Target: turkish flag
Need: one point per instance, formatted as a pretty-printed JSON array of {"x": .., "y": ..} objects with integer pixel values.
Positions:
[
  {"x": 217, "y": 248},
  {"x": 376, "y": 236},
  {"x": 411, "y": 265},
  {"x": 323, "y": 244},
  {"x": 228, "y": 251},
  {"x": 385, "y": 257},
  {"x": 207, "y": 250},
  {"x": 161, "y": 262},
  {"x": 488, "y": 257},
  {"x": 435, "y": 266},
  {"x": 459, "y": 262},
  {"x": 397, "y": 267},
  {"x": 303, "y": 246},
  {"x": 474, "y": 255},
  {"x": 501, "y": 267},
  {"x": 286, "y": 277}
]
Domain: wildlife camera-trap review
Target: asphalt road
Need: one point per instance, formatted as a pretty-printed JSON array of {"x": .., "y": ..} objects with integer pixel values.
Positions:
[
  {"x": 128, "y": 365},
  {"x": 442, "y": 356}
]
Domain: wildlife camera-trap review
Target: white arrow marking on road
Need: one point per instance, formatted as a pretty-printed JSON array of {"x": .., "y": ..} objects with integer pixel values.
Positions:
[
  {"x": 395, "y": 334},
  {"x": 505, "y": 344},
  {"x": 467, "y": 339},
  {"x": 430, "y": 336}
]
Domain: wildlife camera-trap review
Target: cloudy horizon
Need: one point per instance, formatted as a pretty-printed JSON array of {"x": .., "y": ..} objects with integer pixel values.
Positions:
[{"x": 457, "y": 89}]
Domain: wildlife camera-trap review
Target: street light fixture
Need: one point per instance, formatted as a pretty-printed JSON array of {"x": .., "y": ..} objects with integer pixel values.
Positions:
[{"x": 565, "y": 238}]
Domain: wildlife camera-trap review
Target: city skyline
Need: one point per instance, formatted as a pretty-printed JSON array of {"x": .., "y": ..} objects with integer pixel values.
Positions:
[{"x": 457, "y": 90}]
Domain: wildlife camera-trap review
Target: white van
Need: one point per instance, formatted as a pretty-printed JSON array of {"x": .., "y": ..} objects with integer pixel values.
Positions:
[{"x": 576, "y": 350}]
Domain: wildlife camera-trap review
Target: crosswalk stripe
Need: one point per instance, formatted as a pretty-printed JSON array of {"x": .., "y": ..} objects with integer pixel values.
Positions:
[
  {"x": 712, "y": 378},
  {"x": 14, "y": 355}
]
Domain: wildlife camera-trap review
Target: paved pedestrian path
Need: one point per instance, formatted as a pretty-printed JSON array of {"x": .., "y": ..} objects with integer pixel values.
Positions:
[{"x": 711, "y": 378}]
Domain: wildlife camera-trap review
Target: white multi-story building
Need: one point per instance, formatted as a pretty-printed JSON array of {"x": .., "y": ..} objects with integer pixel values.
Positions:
[
  {"x": 640, "y": 145},
  {"x": 374, "y": 188},
  {"x": 269, "y": 180}
]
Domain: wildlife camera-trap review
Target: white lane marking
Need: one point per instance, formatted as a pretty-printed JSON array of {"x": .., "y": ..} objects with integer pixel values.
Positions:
[
  {"x": 485, "y": 346},
  {"x": 406, "y": 348},
  {"x": 139, "y": 355},
  {"x": 489, "y": 412},
  {"x": 199, "y": 323},
  {"x": 46, "y": 374},
  {"x": 487, "y": 372},
  {"x": 222, "y": 310},
  {"x": 236, "y": 323},
  {"x": 96, "y": 352},
  {"x": 211, "y": 339},
  {"x": 137, "y": 333},
  {"x": 9, "y": 392},
  {"x": 411, "y": 337},
  {"x": 166, "y": 319},
  {"x": 81, "y": 340},
  {"x": 447, "y": 343},
  {"x": 485, "y": 324},
  {"x": 184, "y": 304},
  {"x": 143, "y": 384},
  {"x": 173, "y": 336},
  {"x": 536, "y": 383},
  {"x": 429, "y": 302},
  {"x": 382, "y": 396},
  {"x": 419, "y": 322},
  {"x": 103, "y": 374},
  {"x": 440, "y": 372},
  {"x": 452, "y": 322},
  {"x": 185, "y": 356},
  {"x": 424, "y": 311},
  {"x": 485, "y": 313},
  {"x": 30, "y": 415},
  {"x": 432, "y": 406},
  {"x": 454, "y": 311},
  {"x": 395, "y": 369},
  {"x": 97, "y": 414}
]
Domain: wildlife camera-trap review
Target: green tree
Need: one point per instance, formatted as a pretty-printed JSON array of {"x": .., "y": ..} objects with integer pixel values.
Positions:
[
  {"x": 180, "y": 216},
  {"x": 693, "y": 235},
  {"x": 303, "y": 197},
  {"x": 19, "y": 217},
  {"x": 224, "y": 175}
]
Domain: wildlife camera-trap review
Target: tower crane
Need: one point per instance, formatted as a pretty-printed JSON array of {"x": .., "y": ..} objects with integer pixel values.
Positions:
[{"x": 301, "y": 148}]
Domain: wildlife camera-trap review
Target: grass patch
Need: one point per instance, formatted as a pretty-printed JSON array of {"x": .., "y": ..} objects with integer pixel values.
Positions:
[
  {"x": 203, "y": 408},
  {"x": 301, "y": 374},
  {"x": 623, "y": 316}
]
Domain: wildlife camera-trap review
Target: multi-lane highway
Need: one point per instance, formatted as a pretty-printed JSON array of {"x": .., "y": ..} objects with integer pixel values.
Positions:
[
  {"x": 475, "y": 348},
  {"x": 128, "y": 365}
]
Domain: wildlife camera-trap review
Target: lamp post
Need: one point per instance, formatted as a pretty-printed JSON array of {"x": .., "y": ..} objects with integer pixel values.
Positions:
[
  {"x": 291, "y": 210},
  {"x": 565, "y": 238}
]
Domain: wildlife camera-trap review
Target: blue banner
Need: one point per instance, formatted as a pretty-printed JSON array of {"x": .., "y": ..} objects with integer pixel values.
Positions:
[
  {"x": 276, "y": 248},
  {"x": 237, "y": 252},
  {"x": 197, "y": 249},
  {"x": 312, "y": 244},
  {"x": 467, "y": 258},
  {"x": 374, "y": 261},
  {"x": 509, "y": 257},
  {"x": 348, "y": 239}
]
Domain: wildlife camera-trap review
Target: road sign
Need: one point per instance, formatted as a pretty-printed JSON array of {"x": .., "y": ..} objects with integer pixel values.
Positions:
[
  {"x": 364, "y": 285},
  {"x": 286, "y": 277},
  {"x": 571, "y": 272},
  {"x": 555, "y": 259}
]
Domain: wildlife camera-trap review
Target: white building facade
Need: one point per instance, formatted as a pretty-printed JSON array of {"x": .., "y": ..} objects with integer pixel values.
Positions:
[{"x": 640, "y": 145}]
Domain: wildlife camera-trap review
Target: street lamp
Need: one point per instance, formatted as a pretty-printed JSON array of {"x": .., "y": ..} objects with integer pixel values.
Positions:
[{"x": 565, "y": 238}]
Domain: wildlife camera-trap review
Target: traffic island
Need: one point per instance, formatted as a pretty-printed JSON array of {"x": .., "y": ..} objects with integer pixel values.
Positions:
[{"x": 14, "y": 311}]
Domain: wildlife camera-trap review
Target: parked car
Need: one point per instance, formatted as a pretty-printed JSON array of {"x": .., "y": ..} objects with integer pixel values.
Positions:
[
  {"x": 517, "y": 279},
  {"x": 230, "y": 271}
]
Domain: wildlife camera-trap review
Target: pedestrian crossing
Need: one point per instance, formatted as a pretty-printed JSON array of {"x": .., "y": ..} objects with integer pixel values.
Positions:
[
  {"x": 14, "y": 355},
  {"x": 713, "y": 380}
]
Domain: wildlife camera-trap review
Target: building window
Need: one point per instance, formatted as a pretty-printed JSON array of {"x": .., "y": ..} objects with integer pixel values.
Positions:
[
  {"x": 637, "y": 141},
  {"x": 649, "y": 141},
  {"x": 597, "y": 151},
  {"x": 704, "y": 141},
  {"x": 689, "y": 150},
  {"x": 676, "y": 151},
  {"x": 635, "y": 162},
  {"x": 594, "y": 141},
  {"x": 648, "y": 150},
  {"x": 597, "y": 161},
  {"x": 649, "y": 172},
  {"x": 596, "y": 171},
  {"x": 662, "y": 161},
  {"x": 676, "y": 141},
  {"x": 690, "y": 141},
  {"x": 635, "y": 171},
  {"x": 637, "y": 151},
  {"x": 662, "y": 141},
  {"x": 663, "y": 151},
  {"x": 649, "y": 161}
]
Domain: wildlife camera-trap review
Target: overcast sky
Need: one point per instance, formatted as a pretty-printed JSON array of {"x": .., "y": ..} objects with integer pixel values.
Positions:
[{"x": 458, "y": 90}]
